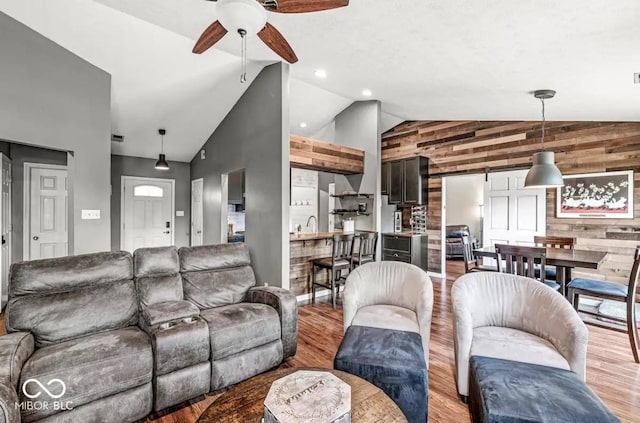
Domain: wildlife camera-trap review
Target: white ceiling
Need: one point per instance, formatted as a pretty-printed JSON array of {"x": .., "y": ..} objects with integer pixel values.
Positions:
[{"x": 430, "y": 60}]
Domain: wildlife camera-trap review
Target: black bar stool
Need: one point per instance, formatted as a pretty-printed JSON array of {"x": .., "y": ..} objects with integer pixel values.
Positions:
[{"x": 340, "y": 260}]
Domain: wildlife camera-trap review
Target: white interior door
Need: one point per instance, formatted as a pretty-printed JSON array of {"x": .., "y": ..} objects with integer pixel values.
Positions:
[
  {"x": 47, "y": 210},
  {"x": 5, "y": 223},
  {"x": 147, "y": 212},
  {"x": 513, "y": 214},
  {"x": 196, "y": 212}
]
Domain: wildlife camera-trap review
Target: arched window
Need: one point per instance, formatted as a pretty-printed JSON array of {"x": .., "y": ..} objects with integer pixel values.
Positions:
[{"x": 148, "y": 191}]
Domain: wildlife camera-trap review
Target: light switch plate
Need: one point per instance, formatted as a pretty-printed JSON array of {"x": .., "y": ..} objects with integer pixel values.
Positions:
[
  {"x": 90, "y": 214},
  {"x": 180, "y": 213}
]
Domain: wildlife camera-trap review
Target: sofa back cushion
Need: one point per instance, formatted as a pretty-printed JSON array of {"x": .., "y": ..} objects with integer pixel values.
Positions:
[
  {"x": 216, "y": 275},
  {"x": 68, "y": 297},
  {"x": 454, "y": 231},
  {"x": 157, "y": 275}
]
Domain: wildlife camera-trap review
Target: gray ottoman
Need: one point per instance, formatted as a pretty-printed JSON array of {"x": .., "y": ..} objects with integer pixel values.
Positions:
[
  {"x": 393, "y": 361},
  {"x": 504, "y": 391}
]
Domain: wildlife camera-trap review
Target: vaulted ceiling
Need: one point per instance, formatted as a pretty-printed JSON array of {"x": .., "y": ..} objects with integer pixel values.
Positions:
[{"x": 424, "y": 60}]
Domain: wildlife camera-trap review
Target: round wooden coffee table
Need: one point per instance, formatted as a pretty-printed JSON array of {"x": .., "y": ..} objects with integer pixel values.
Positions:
[{"x": 244, "y": 402}]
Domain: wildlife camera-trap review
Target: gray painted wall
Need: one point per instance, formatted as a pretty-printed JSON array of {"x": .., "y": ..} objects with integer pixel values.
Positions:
[
  {"x": 358, "y": 126},
  {"x": 19, "y": 155},
  {"x": 50, "y": 97},
  {"x": 254, "y": 136},
  {"x": 138, "y": 166}
]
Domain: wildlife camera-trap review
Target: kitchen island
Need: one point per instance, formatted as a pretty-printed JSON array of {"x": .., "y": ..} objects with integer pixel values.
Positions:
[{"x": 303, "y": 249}]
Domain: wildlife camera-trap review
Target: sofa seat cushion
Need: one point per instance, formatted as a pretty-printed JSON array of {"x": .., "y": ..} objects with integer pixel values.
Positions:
[
  {"x": 516, "y": 345},
  {"x": 239, "y": 327},
  {"x": 91, "y": 368},
  {"x": 168, "y": 311},
  {"x": 387, "y": 317}
]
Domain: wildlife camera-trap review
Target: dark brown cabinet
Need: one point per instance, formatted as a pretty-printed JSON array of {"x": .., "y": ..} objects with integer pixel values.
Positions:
[
  {"x": 408, "y": 181},
  {"x": 384, "y": 176},
  {"x": 407, "y": 248}
]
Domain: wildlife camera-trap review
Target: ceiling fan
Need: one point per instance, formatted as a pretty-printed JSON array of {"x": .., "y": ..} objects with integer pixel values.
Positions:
[{"x": 248, "y": 17}]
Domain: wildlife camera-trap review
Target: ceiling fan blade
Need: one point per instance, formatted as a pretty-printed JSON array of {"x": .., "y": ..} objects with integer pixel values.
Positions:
[
  {"x": 276, "y": 42},
  {"x": 303, "y": 6},
  {"x": 209, "y": 37}
]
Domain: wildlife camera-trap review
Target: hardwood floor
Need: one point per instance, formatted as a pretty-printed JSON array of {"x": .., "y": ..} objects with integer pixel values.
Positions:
[{"x": 611, "y": 371}]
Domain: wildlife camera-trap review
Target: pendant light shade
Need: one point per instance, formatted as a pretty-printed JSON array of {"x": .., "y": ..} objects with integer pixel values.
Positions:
[
  {"x": 544, "y": 173},
  {"x": 162, "y": 164}
]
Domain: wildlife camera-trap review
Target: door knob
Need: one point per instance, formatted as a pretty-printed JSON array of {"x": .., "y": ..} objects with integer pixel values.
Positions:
[
  {"x": 35, "y": 237},
  {"x": 166, "y": 232}
]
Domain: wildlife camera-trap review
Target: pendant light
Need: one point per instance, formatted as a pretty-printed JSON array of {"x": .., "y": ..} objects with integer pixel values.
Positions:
[
  {"x": 544, "y": 173},
  {"x": 162, "y": 164}
]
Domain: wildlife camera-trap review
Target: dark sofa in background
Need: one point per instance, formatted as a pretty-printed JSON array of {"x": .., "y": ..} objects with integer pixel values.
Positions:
[
  {"x": 454, "y": 241},
  {"x": 125, "y": 339}
]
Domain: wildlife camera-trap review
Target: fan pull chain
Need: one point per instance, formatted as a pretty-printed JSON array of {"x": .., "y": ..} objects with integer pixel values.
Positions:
[{"x": 243, "y": 66}]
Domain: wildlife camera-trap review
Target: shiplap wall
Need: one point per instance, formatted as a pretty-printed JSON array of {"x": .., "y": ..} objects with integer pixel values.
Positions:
[{"x": 458, "y": 147}]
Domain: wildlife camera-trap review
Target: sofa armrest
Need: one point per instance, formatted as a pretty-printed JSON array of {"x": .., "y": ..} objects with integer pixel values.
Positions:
[
  {"x": 462, "y": 337},
  {"x": 9, "y": 413},
  {"x": 286, "y": 305},
  {"x": 15, "y": 349}
]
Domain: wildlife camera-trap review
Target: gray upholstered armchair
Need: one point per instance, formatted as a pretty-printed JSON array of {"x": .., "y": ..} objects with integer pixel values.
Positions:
[
  {"x": 514, "y": 318},
  {"x": 252, "y": 329}
]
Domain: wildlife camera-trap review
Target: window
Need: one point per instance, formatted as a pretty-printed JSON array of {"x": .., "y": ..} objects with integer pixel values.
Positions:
[{"x": 148, "y": 191}]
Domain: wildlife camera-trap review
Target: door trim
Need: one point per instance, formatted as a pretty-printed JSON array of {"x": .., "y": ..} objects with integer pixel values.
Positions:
[
  {"x": 201, "y": 208},
  {"x": 26, "y": 203},
  {"x": 124, "y": 178}
]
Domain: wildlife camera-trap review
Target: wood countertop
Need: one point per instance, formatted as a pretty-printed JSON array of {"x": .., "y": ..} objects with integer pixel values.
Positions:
[{"x": 319, "y": 235}]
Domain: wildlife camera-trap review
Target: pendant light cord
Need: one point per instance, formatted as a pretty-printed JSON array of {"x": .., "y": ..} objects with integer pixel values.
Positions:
[
  {"x": 161, "y": 143},
  {"x": 543, "y": 123}
]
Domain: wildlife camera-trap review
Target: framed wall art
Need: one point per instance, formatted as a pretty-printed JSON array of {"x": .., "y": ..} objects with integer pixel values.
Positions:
[{"x": 607, "y": 195}]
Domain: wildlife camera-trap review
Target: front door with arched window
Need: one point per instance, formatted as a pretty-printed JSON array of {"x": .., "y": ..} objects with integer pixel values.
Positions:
[{"x": 147, "y": 212}]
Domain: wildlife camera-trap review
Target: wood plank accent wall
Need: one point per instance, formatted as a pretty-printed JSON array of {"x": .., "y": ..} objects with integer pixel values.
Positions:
[
  {"x": 460, "y": 147},
  {"x": 307, "y": 153}
]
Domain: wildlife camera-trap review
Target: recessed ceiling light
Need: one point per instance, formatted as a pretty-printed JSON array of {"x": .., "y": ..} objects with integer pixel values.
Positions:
[
  {"x": 320, "y": 73},
  {"x": 367, "y": 93},
  {"x": 303, "y": 124}
]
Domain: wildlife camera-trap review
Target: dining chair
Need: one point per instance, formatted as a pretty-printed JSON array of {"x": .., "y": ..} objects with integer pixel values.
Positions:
[
  {"x": 553, "y": 242},
  {"x": 470, "y": 260},
  {"x": 612, "y": 291},
  {"x": 522, "y": 260},
  {"x": 366, "y": 252},
  {"x": 340, "y": 260}
]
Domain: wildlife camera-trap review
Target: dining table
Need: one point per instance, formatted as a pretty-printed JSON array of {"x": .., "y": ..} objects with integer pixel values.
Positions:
[{"x": 564, "y": 259}]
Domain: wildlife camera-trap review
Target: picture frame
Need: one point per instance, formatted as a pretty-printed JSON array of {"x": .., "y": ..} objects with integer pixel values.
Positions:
[{"x": 605, "y": 195}]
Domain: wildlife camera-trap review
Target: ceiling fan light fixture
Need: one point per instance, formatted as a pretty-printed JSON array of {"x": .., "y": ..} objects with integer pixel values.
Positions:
[{"x": 247, "y": 15}]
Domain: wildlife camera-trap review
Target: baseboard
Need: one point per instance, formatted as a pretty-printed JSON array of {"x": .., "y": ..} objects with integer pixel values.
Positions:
[{"x": 307, "y": 297}]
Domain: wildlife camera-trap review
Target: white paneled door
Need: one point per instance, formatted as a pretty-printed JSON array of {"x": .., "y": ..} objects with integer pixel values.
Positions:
[
  {"x": 196, "y": 212},
  {"x": 513, "y": 214},
  {"x": 47, "y": 209},
  {"x": 147, "y": 212}
]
